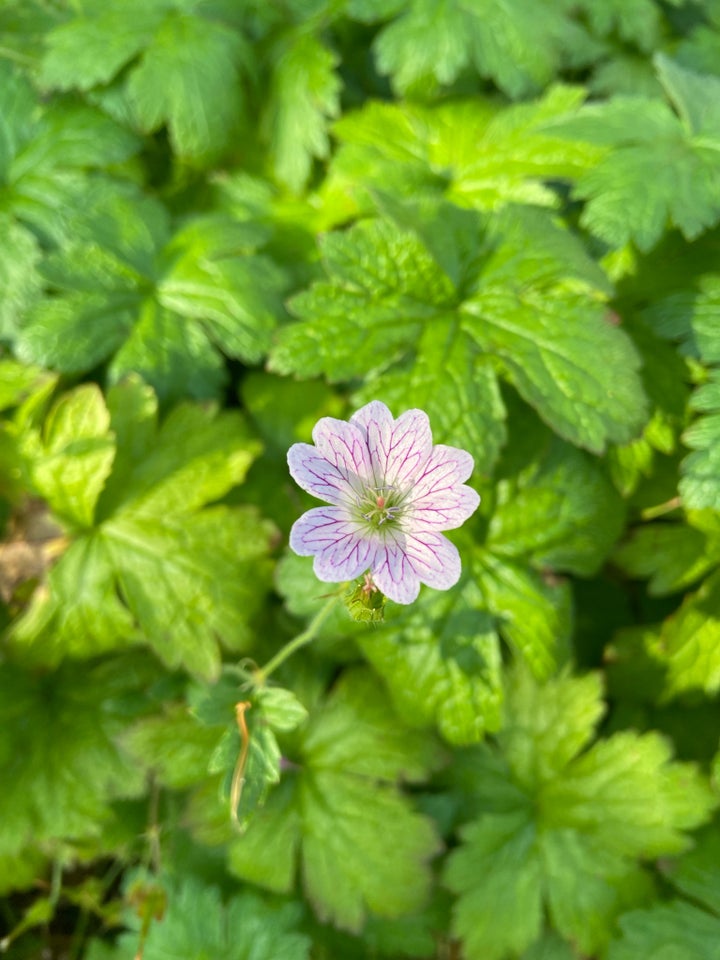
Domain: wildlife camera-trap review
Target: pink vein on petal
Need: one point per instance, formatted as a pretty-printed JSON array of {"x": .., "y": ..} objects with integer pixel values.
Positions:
[
  {"x": 393, "y": 573},
  {"x": 445, "y": 468},
  {"x": 345, "y": 447},
  {"x": 376, "y": 411},
  {"x": 341, "y": 550},
  {"x": 317, "y": 476},
  {"x": 435, "y": 560},
  {"x": 399, "y": 449},
  {"x": 444, "y": 511}
]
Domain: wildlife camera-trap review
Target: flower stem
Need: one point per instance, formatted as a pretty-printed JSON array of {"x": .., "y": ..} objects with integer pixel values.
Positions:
[
  {"x": 661, "y": 509},
  {"x": 261, "y": 675}
]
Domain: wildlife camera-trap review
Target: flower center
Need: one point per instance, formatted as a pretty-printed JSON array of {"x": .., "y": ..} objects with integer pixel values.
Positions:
[{"x": 380, "y": 505}]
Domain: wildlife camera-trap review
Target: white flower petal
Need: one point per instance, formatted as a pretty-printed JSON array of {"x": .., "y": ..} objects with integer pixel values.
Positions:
[
  {"x": 400, "y": 448},
  {"x": 341, "y": 547},
  {"x": 317, "y": 476},
  {"x": 344, "y": 446},
  {"x": 435, "y": 560},
  {"x": 444, "y": 510},
  {"x": 403, "y": 562},
  {"x": 374, "y": 411},
  {"x": 438, "y": 499},
  {"x": 445, "y": 468},
  {"x": 393, "y": 573}
]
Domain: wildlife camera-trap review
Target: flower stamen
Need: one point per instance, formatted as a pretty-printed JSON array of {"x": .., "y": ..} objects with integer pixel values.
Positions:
[
  {"x": 368, "y": 586},
  {"x": 380, "y": 505}
]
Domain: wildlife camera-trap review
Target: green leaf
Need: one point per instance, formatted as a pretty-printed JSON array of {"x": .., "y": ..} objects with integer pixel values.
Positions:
[
  {"x": 662, "y": 171},
  {"x": 699, "y": 47},
  {"x": 688, "y": 93},
  {"x": 376, "y": 267},
  {"x": 664, "y": 373},
  {"x": 173, "y": 745},
  {"x": 369, "y": 11},
  {"x": 411, "y": 937},
  {"x": 561, "y": 366},
  {"x": 285, "y": 411},
  {"x": 512, "y": 43},
  {"x": 24, "y": 26},
  {"x": 527, "y": 294},
  {"x": 516, "y": 158},
  {"x": 537, "y": 740},
  {"x": 304, "y": 95},
  {"x": 560, "y": 512},
  {"x": 672, "y": 555},
  {"x": 259, "y": 773},
  {"x": 637, "y": 22},
  {"x": 467, "y": 150},
  {"x": 45, "y": 153},
  {"x": 692, "y": 316},
  {"x": 550, "y": 947},
  {"x": 60, "y": 763},
  {"x": 630, "y": 462},
  {"x": 664, "y": 377},
  {"x": 163, "y": 306},
  {"x": 697, "y": 873},
  {"x": 677, "y": 930},
  {"x": 72, "y": 459},
  {"x": 18, "y": 380},
  {"x": 628, "y": 73},
  {"x": 217, "y": 277},
  {"x": 440, "y": 660},
  {"x": 247, "y": 754},
  {"x": 532, "y": 614},
  {"x": 187, "y": 77},
  {"x": 69, "y": 137},
  {"x": 19, "y": 871},
  {"x": 198, "y": 923},
  {"x": 19, "y": 109},
  {"x": 700, "y": 483},
  {"x": 582, "y": 817},
  {"x": 19, "y": 277},
  {"x": 333, "y": 812},
  {"x": 157, "y": 564},
  {"x": 466, "y": 404},
  {"x": 90, "y": 50},
  {"x": 647, "y": 802},
  {"x": 388, "y": 146},
  {"x": 177, "y": 358},
  {"x": 281, "y": 708},
  {"x": 497, "y": 854},
  {"x": 46, "y": 175},
  {"x": 689, "y": 643},
  {"x": 102, "y": 276}
]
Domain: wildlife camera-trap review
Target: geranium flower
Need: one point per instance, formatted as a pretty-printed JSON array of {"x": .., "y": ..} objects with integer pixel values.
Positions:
[{"x": 390, "y": 492}]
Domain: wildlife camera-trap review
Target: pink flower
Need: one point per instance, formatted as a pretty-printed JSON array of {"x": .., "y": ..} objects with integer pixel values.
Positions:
[{"x": 390, "y": 492}]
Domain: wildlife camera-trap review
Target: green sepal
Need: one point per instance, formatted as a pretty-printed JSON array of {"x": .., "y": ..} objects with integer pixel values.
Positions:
[{"x": 364, "y": 602}]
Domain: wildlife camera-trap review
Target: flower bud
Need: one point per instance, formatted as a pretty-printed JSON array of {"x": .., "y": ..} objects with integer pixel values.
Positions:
[{"x": 365, "y": 603}]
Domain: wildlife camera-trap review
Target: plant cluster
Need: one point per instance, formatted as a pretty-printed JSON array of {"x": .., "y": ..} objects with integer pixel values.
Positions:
[{"x": 225, "y": 227}]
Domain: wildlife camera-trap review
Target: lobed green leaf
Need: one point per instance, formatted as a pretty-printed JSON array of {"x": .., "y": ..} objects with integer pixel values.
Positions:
[{"x": 332, "y": 811}]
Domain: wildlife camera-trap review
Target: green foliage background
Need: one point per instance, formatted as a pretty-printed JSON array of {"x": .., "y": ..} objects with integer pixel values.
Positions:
[{"x": 223, "y": 219}]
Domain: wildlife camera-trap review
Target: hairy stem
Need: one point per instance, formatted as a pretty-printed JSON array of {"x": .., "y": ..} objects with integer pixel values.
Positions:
[
  {"x": 300, "y": 640},
  {"x": 661, "y": 509}
]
